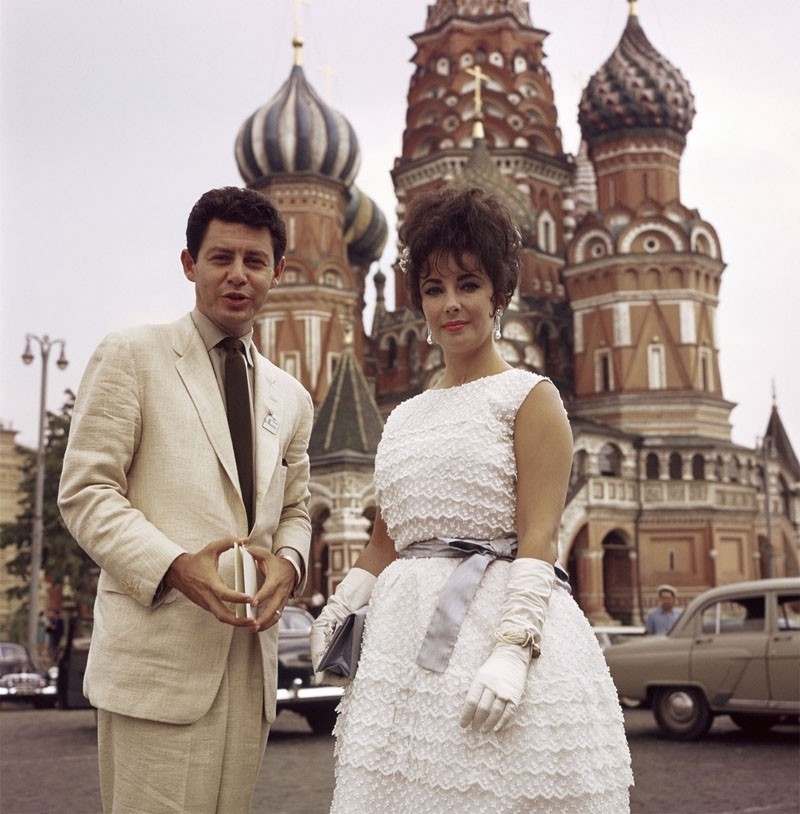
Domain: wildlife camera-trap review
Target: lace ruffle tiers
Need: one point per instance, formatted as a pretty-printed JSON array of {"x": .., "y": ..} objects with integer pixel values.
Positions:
[
  {"x": 400, "y": 747},
  {"x": 445, "y": 464}
]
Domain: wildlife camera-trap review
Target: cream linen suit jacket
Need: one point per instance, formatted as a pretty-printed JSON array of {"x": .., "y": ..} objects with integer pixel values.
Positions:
[{"x": 149, "y": 473}]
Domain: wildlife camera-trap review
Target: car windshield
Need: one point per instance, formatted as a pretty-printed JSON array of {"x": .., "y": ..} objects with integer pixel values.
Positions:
[
  {"x": 295, "y": 622},
  {"x": 13, "y": 658}
]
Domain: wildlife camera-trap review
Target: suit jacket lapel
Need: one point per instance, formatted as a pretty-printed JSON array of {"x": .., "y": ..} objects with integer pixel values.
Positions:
[
  {"x": 194, "y": 368},
  {"x": 267, "y": 425}
]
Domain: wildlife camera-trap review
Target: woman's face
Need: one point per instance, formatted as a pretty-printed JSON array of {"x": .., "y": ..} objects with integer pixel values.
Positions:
[{"x": 457, "y": 301}]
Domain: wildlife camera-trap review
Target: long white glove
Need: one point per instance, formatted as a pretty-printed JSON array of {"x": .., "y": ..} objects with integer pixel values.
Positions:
[
  {"x": 353, "y": 592},
  {"x": 499, "y": 683}
]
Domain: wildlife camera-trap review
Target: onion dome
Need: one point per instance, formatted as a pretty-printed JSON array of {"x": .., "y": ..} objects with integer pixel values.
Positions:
[
  {"x": 297, "y": 132},
  {"x": 365, "y": 229},
  {"x": 635, "y": 88},
  {"x": 480, "y": 171},
  {"x": 444, "y": 10}
]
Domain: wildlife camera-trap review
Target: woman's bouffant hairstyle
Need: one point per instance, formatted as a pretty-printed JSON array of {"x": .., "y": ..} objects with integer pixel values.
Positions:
[{"x": 461, "y": 221}]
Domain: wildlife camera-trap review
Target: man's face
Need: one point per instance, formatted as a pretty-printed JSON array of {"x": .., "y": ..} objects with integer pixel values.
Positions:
[
  {"x": 667, "y": 601},
  {"x": 232, "y": 274}
]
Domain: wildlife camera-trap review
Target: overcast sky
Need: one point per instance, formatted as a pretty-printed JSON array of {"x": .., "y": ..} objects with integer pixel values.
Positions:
[{"x": 117, "y": 114}]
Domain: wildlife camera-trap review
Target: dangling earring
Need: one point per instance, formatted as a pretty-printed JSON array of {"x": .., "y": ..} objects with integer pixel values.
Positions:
[
  {"x": 497, "y": 315},
  {"x": 429, "y": 337}
]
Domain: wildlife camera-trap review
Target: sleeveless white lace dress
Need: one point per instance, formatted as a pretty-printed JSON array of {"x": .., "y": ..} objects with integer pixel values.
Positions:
[{"x": 445, "y": 468}]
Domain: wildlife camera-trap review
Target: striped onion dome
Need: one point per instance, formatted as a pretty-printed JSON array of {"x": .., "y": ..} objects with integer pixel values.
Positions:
[
  {"x": 636, "y": 88},
  {"x": 365, "y": 229},
  {"x": 297, "y": 132}
]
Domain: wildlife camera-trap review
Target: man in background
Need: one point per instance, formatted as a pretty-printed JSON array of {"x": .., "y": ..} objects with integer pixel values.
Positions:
[{"x": 661, "y": 619}]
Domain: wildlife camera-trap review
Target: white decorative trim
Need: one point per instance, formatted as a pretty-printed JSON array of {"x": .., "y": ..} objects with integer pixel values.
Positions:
[
  {"x": 705, "y": 232},
  {"x": 580, "y": 245},
  {"x": 678, "y": 241},
  {"x": 688, "y": 322},
  {"x": 622, "y": 324},
  {"x": 656, "y": 367}
]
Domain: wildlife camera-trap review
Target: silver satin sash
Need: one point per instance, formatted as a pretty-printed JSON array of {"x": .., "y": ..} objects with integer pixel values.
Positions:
[{"x": 457, "y": 592}]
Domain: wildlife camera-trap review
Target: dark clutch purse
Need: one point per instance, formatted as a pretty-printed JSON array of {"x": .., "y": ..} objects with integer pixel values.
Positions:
[{"x": 341, "y": 657}]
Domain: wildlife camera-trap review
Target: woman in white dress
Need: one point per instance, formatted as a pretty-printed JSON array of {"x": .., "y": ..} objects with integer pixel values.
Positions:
[{"x": 480, "y": 687}]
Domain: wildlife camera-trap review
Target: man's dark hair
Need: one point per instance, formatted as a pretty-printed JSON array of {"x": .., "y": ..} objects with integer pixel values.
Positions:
[
  {"x": 461, "y": 221},
  {"x": 235, "y": 205}
]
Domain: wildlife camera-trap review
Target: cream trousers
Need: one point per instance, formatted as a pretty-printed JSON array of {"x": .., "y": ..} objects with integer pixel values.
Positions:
[{"x": 208, "y": 767}]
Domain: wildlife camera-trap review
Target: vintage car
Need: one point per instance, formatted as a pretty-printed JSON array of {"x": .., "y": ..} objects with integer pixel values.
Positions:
[
  {"x": 20, "y": 681},
  {"x": 297, "y": 688},
  {"x": 734, "y": 651},
  {"x": 615, "y": 634}
]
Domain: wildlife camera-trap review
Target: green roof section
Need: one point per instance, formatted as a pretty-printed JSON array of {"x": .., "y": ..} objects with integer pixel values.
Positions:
[{"x": 348, "y": 420}]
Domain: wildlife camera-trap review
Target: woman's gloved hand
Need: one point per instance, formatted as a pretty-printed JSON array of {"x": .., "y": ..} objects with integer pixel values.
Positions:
[
  {"x": 353, "y": 592},
  {"x": 500, "y": 682}
]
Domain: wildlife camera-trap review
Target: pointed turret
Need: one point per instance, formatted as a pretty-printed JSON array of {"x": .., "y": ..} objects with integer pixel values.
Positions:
[{"x": 348, "y": 425}]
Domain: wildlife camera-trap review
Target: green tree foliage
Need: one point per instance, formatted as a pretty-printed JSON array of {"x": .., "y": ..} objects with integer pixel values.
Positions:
[{"x": 62, "y": 559}]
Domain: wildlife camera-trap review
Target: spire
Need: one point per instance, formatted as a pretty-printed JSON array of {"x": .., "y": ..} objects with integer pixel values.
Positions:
[
  {"x": 348, "y": 423},
  {"x": 780, "y": 441},
  {"x": 297, "y": 40}
]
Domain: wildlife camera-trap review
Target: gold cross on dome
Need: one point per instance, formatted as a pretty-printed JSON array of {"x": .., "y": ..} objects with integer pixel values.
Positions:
[
  {"x": 480, "y": 76},
  {"x": 297, "y": 40}
]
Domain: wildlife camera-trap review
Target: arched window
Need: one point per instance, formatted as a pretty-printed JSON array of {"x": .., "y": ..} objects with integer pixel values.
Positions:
[
  {"x": 578, "y": 471},
  {"x": 603, "y": 371},
  {"x": 609, "y": 461},
  {"x": 698, "y": 467},
  {"x": 546, "y": 232},
  {"x": 734, "y": 470},
  {"x": 706, "y": 370},
  {"x": 785, "y": 494},
  {"x": 333, "y": 279},
  {"x": 675, "y": 466},
  {"x": 652, "y": 467},
  {"x": 391, "y": 356}
]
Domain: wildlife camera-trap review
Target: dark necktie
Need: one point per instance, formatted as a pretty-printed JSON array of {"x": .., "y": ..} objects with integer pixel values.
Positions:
[{"x": 237, "y": 402}]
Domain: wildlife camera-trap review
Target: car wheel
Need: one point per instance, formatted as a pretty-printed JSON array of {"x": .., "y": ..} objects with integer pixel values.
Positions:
[
  {"x": 754, "y": 724},
  {"x": 682, "y": 713},
  {"x": 322, "y": 719}
]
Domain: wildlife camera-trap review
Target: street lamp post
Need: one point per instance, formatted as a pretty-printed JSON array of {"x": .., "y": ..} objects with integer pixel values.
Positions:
[
  {"x": 45, "y": 346},
  {"x": 766, "y": 448}
]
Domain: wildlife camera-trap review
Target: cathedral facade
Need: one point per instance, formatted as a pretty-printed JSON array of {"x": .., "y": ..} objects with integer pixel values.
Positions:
[{"x": 615, "y": 303}]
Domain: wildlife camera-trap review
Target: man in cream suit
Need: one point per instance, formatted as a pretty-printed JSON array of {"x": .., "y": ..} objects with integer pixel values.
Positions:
[{"x": 184, "y": 686}]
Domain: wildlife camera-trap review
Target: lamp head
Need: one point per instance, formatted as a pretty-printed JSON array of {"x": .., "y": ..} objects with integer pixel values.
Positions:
[{"x": 27, "y": 356}]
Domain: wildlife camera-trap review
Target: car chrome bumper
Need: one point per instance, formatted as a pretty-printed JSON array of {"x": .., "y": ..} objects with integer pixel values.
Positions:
[{"x": 299, "y": 694}]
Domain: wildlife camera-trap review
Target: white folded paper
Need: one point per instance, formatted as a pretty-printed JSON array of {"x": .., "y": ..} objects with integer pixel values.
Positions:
[{"x": 244, "y": 579}]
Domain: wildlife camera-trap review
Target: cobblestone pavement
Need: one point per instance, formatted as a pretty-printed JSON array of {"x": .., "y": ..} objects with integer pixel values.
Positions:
[{"x": 48, "y": 763}]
